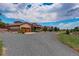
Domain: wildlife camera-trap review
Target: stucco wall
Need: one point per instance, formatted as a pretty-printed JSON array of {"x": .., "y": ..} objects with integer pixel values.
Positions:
[{"x": 25, "y": 25}]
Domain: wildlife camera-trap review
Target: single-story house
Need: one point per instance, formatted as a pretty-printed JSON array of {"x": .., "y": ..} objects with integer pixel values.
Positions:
[{"x": 23, "y": 27}]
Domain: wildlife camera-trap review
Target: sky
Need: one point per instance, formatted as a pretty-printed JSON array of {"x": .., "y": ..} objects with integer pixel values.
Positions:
[{"x": 62, "y": 15}]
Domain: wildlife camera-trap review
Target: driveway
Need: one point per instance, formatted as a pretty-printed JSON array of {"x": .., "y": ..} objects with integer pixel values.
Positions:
[{"x": 37, "y": 44}]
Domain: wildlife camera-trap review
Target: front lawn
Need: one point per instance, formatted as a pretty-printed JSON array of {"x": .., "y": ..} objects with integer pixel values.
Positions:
[{"x": 71, "y": 40}]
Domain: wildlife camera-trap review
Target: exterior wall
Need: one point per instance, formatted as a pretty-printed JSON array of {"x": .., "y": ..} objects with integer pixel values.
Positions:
[
  {"x": 14, "y": 28},
  {"x": 25, "y": 28},
  {"x": 25, "y": 25},
  {"x": 37, "y": 29}
]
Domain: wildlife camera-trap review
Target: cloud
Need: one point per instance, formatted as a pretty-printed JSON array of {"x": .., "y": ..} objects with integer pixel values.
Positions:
[
  {"x": 68, "y": 25},
  {"x": 32, "y": 14},
  {"x": 36, "y": 13},
  {"x": 42, "y": 12}
]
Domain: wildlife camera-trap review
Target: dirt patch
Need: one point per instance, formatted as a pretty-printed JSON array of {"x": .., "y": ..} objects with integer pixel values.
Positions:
[{"x": 77, "y": 49}]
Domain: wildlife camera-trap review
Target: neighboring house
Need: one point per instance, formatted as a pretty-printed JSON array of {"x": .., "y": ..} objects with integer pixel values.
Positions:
[
  {"x": 26, "y": 27},
  {"x": 23, "y": 27},
  {"x": 36, "y": 27}
]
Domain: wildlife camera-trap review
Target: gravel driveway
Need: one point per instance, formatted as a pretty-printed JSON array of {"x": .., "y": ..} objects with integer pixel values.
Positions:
[{"x": 38, "y": 44}]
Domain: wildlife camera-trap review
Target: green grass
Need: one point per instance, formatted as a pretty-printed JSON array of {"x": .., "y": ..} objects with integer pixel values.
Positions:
[
  {"x": 71, "y": 40},
  {"x": 1, "y": 47}
]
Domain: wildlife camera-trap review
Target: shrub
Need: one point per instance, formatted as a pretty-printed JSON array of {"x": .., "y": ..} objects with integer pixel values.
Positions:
[{"x": 67, "y": 32}]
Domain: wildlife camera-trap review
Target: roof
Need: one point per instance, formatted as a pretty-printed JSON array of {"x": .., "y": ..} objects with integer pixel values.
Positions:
[
  {"x": 14, "y": 24},
  {"x": 35, "y": 25},
  {"x": 18, "y": 24}
]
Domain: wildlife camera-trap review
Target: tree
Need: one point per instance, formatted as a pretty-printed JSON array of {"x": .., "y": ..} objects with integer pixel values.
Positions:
[
  {"x": 56, "y": 29},
  {"x": 67, "y": 31},
  {"x": 34, "y": 29},
  {"x": 2, "y": 24},
  {"x": 76, "y": 29}
]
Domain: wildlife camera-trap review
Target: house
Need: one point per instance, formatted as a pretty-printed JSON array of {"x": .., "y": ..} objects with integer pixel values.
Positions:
[
  {"x": 24, "y": 27},
  {"x": 36, "y": 27}
]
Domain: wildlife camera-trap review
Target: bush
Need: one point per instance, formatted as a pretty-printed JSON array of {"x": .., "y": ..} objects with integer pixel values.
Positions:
[
  {"x": 67, "y": 32},
  {"x": 2, "y": 24}
]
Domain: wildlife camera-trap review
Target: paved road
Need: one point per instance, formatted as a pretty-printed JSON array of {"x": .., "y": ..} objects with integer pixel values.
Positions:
[{"x": 38, "y": 44}]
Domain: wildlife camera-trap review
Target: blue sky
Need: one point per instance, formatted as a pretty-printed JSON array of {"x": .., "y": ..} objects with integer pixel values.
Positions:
[{"x": 62, "y": 15}]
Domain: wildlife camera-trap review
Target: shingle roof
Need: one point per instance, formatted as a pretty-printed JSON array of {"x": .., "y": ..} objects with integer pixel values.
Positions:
[
  {"x": 18, "y": 24},
  {"x": 14, "y": 24}
]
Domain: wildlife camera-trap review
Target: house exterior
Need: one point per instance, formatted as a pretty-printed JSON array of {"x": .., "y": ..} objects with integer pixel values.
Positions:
[
  {"x": 26, "y": 27},
  {"x": 23, "y": 27},
  {"x": 36, "y": 27}
]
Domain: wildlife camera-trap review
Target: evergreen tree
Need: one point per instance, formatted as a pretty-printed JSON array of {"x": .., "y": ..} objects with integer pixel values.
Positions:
[
  {"x": 76, "y": 29},
  {"x": 67, "y": 31},
  {"x": 56, "y": 29}
]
